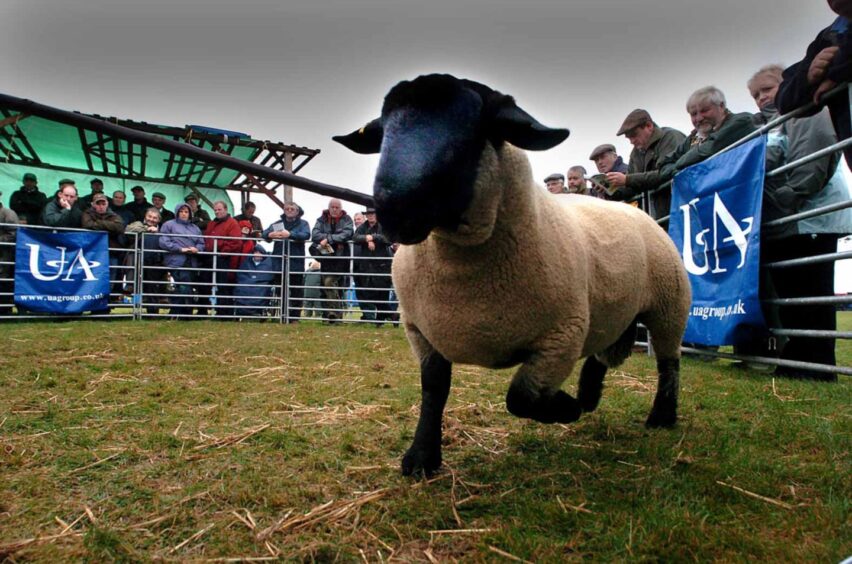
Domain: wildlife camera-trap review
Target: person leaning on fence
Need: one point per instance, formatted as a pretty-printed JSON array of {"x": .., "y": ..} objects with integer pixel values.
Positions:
[
  {"x": 28, "y": 201},
  {"x": 372, "y": 267},
  {"x": 827, "y": 63},
  {"x": 8, "y": 218},
  {"x": 254, "y": 278},
  {"x": 289, "y": 234},
  {"x": 651, "y": 144},
  {"x": 223, "y": 241},
  {"x": 98, "y": 217},
  {"x": 716, "y": 127},
  {"x": 152, "y": 259},
  {"x": 182, "y": 242},
  {"x": 806, "y": 187},
  {"x": 62, "y": 210},
  {"x": 330, "y": 237}
]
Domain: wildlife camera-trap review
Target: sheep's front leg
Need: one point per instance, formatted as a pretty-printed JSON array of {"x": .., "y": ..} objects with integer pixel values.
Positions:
[
  {"x": 424, "y": 455},
  {"x": 535, "y": 394}
]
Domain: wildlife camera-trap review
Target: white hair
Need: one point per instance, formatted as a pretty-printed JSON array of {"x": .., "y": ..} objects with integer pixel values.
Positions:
[{"x": 707, "y": 94}]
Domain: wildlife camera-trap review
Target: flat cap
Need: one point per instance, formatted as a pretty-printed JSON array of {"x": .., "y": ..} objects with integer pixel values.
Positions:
[
  {"x": 30, "y": 176},
  {"x": 633, "y": 120},
  {"x": 96, "y": 180},
  {"x": 99, "y": 197},
  {"x": 554, "y": 176},
  {"x": 600, "y": 150},
  {"x": 369, "y": 210},
  {"x": 189, "y": 197},
  {"x": 137, "y": 188},
  {"x": 158, "y": 195}
]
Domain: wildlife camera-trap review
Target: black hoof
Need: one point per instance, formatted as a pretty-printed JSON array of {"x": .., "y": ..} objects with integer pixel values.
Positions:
[
  {"x": 661, "y": 418},
  {"x": 558, "y": 408},
  {"x": 420, "y": 462}
]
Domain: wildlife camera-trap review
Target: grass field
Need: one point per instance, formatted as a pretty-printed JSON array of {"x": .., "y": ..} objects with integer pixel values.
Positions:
[{"x": 218, "y": 441}]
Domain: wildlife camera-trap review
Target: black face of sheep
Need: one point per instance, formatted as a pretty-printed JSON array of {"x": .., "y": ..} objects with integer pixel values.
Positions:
[{"x": 431, "y": 135}]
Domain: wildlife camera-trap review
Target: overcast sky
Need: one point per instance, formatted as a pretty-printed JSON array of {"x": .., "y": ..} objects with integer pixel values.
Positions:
[{"x": 300, "y": 72}]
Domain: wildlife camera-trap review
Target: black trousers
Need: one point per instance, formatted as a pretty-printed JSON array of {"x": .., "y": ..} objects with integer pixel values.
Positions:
[{"x": 804, "y": 281}]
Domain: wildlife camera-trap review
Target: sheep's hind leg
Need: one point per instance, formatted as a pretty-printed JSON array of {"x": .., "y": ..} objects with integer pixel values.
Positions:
[
  {"x": 664, "y": 411},
  {"x": 424, "y": 455},
  {"x": 535, "y": 394}
]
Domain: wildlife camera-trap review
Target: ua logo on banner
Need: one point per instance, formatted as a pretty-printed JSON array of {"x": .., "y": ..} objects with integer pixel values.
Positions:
[
  {"x": 61, "y": 272},
  {"x": 80, "y": 262},
  {"x": 736, "y": 233}
]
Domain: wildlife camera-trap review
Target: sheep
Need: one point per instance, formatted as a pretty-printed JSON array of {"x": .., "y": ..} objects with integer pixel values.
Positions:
[{"x": 494, "y": 271}]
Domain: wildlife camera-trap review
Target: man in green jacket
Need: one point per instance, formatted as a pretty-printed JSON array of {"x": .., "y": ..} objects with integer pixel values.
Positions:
[
  {"x": 651, "y": 144},
  {"x": 716, "y": 127}
]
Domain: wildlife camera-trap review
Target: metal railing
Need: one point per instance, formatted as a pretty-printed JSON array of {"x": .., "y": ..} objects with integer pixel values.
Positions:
[
  {"x": 843, "y": 300},
  {"x": 220, "y": 285}
]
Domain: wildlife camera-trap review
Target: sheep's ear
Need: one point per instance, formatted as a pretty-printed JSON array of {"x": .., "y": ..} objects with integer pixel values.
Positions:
[
  {"x": 366, "y": 140},
  {"x": 514, "y": 125}
]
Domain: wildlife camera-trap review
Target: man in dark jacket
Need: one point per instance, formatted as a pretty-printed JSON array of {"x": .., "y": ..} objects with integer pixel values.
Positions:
[
  {"x": 97, "y": 188},
  {"x": 827, "y": 63},
  {"x": 63, "y": 211},
  {"x": 651, "y": 143},
  {"x": 330, "y": 236},
  {"x": 254, "y": 284},
  {"x": 139, "y": 205},
  {"x": 290, "y": 234},
  {"x": 248, "y": 215},
  {"x": 28, "y": 202},
  {"x": 372, "y": 271}
]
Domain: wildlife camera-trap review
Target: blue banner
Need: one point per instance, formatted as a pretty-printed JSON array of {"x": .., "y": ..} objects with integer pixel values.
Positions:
[
  {"x": 715, "y": 224},
  {"x": 61, "y": 272}
]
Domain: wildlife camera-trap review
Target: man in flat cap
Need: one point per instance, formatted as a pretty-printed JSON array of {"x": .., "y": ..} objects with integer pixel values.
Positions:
[
  {"x": 651, "y": 144},
  {"x": 199, "y": 217},
  {"x": 28, "y": 201},
  {"x": 606, "y": 159},
  {"x": 555, "y": 183},
  {"x": 97, "y": 188},
  {"x": 158, "y": 200}
]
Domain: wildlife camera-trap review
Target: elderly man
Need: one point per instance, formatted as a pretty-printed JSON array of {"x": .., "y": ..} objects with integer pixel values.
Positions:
[
  {"x": 118, "y": 200},
  {"x": 651, "y": 144},
  {"x": 330, "y": 237},
  {"x": 290, "y": 234},
  {"x": 27, "y": 202},
  {"x": 716, "y": 127},
  {"x": 63, "y": 210},
  {"x": 99, "y": 217},
  {"x": 158, "y": 200},
  {"x": 606, "y": 160},
  {"x": 555, "y": 183}
]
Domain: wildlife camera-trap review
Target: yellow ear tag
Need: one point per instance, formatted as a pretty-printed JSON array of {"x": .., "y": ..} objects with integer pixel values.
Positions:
[{"x": 361, "y": 131}]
